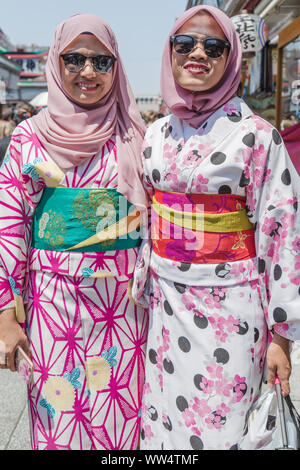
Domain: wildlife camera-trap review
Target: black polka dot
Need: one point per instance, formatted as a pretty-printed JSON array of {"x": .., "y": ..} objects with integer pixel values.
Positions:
[
  {"x": 295, "y": 206},
  {"x": 249, "y": 139},
  {"x": 276, "y": 137},
  {"x": 152, "y": 412},
  {"x": 196, "y": 443},
  {"x": 184, "y": 344},
  {"x": 221, "y": 356},
  {"x": 225, "y": 189},
  {"x": 222, "y": 269},
  {"x": 156, "y": 176},
  {"x": 243, "y": 328},
  {"x": 261, "y": 265},
  {"x": 201, "y": 322},
  {"x": 168, "y": 308},
  {"x": 142, "y": 434},
  {"x": 153, "y": 356},
  {"x": 277, "y": 272},
  {"x": 167, "y": 424},
  {"x": 168, "y": 131},
  {"x": 279, "y": 315},
  {"x": 286, "y": 177},
  {"x": 244, "y": 181},
  {"x": 234, "y": 447},
  {"x": 180, "y": 287},
  {"x": 184, "y": 267},
  {"x": 181, "y": 403},
  {"x": 256, "y": 335},
  {"x": 218, "y": 158},
  {"x": 148, "y": 152},
  {"x": 235, "y": 117},
  {"x": 168, "y": 366},
  {"x": 198, "y": 381},
  {"x": 270, "y": 208}
]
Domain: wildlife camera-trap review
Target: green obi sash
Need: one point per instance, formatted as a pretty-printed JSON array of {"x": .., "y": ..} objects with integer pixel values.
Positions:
[{"x": 75, "y": 220}]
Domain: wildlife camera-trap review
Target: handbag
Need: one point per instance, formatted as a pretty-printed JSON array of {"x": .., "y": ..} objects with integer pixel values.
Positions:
[{"x": 273, "y": 423}]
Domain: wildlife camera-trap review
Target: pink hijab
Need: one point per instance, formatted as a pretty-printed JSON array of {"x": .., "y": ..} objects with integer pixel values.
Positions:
[
  {"x": 72, "y": 134},
  {"x": 195, "y": 108}
]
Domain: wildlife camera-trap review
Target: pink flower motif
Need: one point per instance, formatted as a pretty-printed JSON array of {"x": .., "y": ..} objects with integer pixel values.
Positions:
[
  {"x": 260, "y": 155},
  {"x": 201, "y": 183},
  {"x": 206, "y": 385},
  {"x": 191, "y": 158},
  {"x": 201, "y": 407},
  {"x": 232, "y": 324},
  {"x": 160, "y": 381},
  {"x": 239, "y": 388},
  {"x": 166, "y": 339},
  {"x": 247, "y": 154},
  {"x": 188, "y": 301},
  {"x": 223, "y": 387},
  {"x": 281, "y": 328},
  {"x": 261, "y": 176},
  {"x": 223, "y": 409},
  {"x": 237, "y": 269},
  {"x": 148, "y": 432},
  {"x": 294, "y": 278},
  {"x": 261, "y": 124},
  {"x": 229, "y": 108},
  {"x": 196, "y": 431},
  {"x": 188, "y": 417},
  {"x": 147, "y": 388},
  {"x": 221, "y": 336},
  {"x": 269, "y": 225},
  {"x": 159, "y": 358},
  {"x": 213, "y": 421},
  {"x": 215, "y": 371},
  {"x": 169, "y": 153}
]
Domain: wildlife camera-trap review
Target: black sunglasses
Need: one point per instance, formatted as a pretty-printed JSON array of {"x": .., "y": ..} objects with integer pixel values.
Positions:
[
  {"x": 75, "y": 62},
  {"x": 213, "y": 47}
]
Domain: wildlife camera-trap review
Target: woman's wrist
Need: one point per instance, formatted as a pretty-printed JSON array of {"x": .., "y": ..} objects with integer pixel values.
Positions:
[
  {"x": 281, "y": 340},
  {"x": 8, "y": 315}
]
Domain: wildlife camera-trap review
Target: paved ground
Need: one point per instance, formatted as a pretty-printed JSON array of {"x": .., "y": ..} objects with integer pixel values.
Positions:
[{"x": 14, "y": 424}]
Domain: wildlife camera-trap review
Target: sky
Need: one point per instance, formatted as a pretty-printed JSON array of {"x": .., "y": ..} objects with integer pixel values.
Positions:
[{"x": 141, "y": 27}]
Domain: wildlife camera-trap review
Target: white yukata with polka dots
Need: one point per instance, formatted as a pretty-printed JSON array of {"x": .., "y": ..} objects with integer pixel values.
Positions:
[{"x": 209, "y": 323}]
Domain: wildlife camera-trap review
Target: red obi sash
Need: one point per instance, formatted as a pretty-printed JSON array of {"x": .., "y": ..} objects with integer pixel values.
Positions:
[{"x": 201, "y": 228}]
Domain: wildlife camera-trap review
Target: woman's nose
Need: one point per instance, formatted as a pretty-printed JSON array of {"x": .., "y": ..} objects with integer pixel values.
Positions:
[
  {"x": 88, "y": 70},
  {"x": 198, "y": 52}
]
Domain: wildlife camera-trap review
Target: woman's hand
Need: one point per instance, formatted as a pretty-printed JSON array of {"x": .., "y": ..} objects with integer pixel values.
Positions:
[
  {"x": 279, "y": 362},
  {"x": 11, "y": 336}
]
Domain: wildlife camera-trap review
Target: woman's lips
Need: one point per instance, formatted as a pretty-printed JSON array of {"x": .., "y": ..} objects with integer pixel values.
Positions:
[
  {"x": 87, "y": 87},
  {"x": 196, "y": 69}
]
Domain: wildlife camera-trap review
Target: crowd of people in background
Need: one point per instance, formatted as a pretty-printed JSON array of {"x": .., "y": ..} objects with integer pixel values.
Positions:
[{"x": 10, "y": 117}]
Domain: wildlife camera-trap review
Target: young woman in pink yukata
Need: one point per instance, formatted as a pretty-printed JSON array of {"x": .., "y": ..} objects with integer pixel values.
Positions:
[
  {"x": 214, "y": 289},
  {"x": 70, "y": 178}
]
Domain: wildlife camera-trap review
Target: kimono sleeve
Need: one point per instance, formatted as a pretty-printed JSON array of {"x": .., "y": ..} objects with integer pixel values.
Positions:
[
  {"x": 141, "y": 273},
  {"x": 16, "y": 213},
  {"x": 272, "y": 200}
]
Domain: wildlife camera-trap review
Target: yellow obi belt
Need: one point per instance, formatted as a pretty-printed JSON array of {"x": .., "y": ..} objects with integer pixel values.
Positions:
[
  {"x": 85, "y": 220},
  {"x": 201, "y": 228}
]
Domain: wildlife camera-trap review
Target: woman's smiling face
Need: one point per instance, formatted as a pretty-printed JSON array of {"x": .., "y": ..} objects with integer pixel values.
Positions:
[
  {"x": 86, "y": 87},
  {"x": 196, "y": 71}
]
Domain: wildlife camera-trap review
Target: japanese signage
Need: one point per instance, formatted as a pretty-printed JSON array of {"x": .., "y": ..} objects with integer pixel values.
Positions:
[{"x": 252, "y": 30}]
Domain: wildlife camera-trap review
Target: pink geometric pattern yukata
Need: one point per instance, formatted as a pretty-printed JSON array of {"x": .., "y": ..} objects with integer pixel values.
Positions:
[
  {"x": 87, "y": 338},
  {"x": 208, "y": 323}
]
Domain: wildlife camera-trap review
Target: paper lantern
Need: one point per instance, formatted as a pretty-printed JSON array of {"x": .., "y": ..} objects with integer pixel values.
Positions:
[{"x": 252, "y": 30}]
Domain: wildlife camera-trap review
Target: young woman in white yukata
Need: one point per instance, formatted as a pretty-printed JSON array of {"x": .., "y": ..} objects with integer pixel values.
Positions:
[
  {"x": 222, "y": 268},
  {"x": 69, "y": 173}
]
